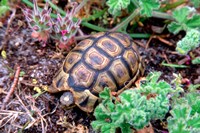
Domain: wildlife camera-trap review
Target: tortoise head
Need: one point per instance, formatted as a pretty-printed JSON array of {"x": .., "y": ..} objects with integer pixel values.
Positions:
[
  {"x": 67, "y": 99},
  {"x": 85, "y": 100}
]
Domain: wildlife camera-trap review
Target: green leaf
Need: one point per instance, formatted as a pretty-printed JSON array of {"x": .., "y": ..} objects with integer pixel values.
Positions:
[
  {"x": 4, "y": 3},
  {"x": 194, "y": 121},
  {"x": 196, "y": 3},
  {"x": 185, "y": 114},
  {"x": 196, "y": 60},
  {"x": 147, "y": 6},
  {"x": 193, "y": 88},
  {"x": 160, "y": 105},
  {"x": 175, "y": 27},
  {"x": 186, "y": 18},
  {"x": 105, "y": 94},
  {"x": 22, "y": 73},
  {"x": 103, "y": 126},
  {"x": 194, "y": 21},
  {"x": 125, "y": 128},
  {"x": 4, "y": 7},
  {"x": 152, "y": 85},
  {"x": 103, "y": 122},
  {"x": 153, "y": 77},
  {"x": 115, "y": 6},
  {"x": 101, "y": 112},
  {"x": 181, "y": 14},
  {"x": 189, "y": 42},
  {"x": 108, "y": 128},
  {"x": 196, "y": 107},
  {"x": 132, "y": 108}
]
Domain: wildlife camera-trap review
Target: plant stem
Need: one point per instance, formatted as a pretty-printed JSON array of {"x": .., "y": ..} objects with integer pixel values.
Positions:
[
  {"x": 81, "y": 5},
  {"x": 93, "y": 27},
  {"x": 95, "y": 16},
  {"x": 53, "y": 6},
  {"x": 140, "y": 35},
  {"x": 127, "y": 20},
  {"x": 173, "y": 5},
  {"x": 27, "y": 2},
  {"x": 162, "y": 15}
]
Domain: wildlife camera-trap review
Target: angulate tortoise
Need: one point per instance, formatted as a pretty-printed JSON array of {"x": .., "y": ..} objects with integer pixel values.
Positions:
[{"x": 105, "y": 59}]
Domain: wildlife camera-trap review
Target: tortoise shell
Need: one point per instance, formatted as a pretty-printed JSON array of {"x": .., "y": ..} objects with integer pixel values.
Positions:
[{"x": 105, "y": 59}]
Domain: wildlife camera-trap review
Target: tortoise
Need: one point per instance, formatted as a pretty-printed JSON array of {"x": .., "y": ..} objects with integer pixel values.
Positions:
[{"x": 105, "y": 59}]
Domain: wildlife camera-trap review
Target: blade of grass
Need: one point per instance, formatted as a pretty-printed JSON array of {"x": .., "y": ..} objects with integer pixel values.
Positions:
[
  {"x": 173, "y": 5},
  {"x": 174, "y": 65},
  {"x": 140, "y": 35},
  {"x": 127, "y": 20}
]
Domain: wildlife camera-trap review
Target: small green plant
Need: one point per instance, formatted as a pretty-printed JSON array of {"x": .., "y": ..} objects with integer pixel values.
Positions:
[
  {"x": 186, "y": 113},
  {"x": 64, "y": 29},
  {"x": 196, "y": 60},
  {"x": 186, "y": 18},
  {"x": 133, "y": 108},
  {"x": 147, "y": 6},
  {"x": 39, "y": 21},
  {"x": 189, "y": 42},
  {"x": 61, "y": 29},
  {"x": 4, "y": 7}
]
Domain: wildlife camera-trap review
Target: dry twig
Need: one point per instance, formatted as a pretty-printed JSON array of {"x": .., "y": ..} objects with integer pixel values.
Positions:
[
  {"x": 160, "y": 38},
  {"x": 12, "y": 89}
]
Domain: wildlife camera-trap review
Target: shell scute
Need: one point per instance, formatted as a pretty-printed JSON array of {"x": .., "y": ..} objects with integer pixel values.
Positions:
[
  {"x": 109, "y": 46},
  {"x": 120, "y": 72},
  {"x": 71, "y": 59},
  {"x": 132, "y": 60},
  {"x": 103, "y": 80},
  {"x": 82, "y": 76},
  {"x": 83, "y": 45},
  {"x": 124, "y": 39},
  {"x": 95, "y": 59}
]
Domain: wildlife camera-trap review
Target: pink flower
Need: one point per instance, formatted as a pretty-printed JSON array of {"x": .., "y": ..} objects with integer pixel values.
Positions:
[{"x": 63, "y": 32}]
